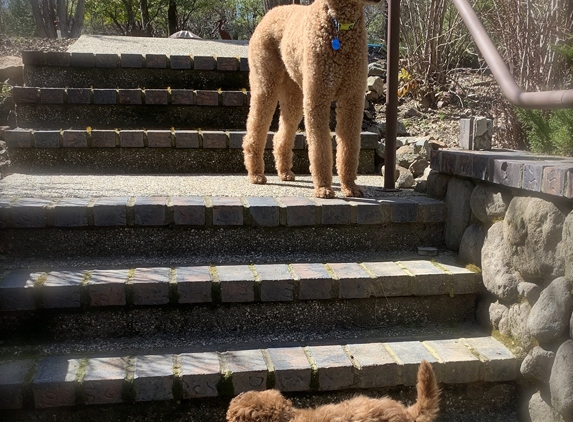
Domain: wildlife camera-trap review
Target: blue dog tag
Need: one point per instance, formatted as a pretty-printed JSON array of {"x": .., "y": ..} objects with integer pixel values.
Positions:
[{"x": 335, "y": 44}]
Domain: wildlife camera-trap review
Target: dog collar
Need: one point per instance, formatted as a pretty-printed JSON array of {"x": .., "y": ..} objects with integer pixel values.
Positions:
[{"x": 339, "y": 27}]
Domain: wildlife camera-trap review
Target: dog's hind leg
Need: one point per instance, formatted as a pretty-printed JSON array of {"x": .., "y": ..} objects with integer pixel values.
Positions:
[
  {"x": 349, "y": 112},
  {"x": 266, "y": 75},
  {"x": 290, "y": 102}
]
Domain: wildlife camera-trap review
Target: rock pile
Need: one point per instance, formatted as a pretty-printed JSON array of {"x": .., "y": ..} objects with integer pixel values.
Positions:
[
  {"x": 412, "y": 153},
  {"x": 524, "y": 246}
]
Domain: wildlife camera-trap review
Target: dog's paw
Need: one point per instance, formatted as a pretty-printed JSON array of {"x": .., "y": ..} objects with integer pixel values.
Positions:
[
  {"x": 323, "y": 192},
  {"x": 287, "y": 177},
  {"x": 258, "y": 179},
  {"x": 352, "y": 191}
]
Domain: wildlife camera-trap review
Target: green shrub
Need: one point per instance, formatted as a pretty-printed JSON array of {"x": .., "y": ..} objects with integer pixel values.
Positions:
[
  {"x": 16, "y": 19},
  {"x": 548, "y": 132}
]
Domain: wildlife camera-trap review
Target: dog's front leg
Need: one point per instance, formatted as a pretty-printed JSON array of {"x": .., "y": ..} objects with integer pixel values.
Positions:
[
  {"x": 316, "y": 117},
  {"x": 349, "y": 112}
]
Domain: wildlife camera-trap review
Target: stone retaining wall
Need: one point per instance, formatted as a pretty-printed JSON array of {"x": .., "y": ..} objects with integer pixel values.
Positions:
[{"x": 511, "y": 214}]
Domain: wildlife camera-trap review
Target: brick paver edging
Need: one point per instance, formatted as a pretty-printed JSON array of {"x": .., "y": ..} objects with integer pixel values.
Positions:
[
  {"x": 199, "y": 211},
  {"x": 94, "y": 138},
  {"x": 130, "y": 60},
  {"x": 23, "y": 290},
  {"x": 515, "y": 169},
  {"x": 58, "y": 381},
  {"x": 129, "y": 97}
]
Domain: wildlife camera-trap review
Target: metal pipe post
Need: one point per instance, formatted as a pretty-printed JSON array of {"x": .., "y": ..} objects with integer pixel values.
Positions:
[{"x": 392, "y": 62}]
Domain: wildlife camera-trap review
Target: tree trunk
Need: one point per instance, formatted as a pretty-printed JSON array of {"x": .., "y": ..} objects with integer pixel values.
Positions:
[
  {"x": 130, "y": 15},
  {"x": 145, "y": 20},
  {"x": 172, "y": 17},
  {"x": 78, "y": 19},
  {"x": 49, "y": 18},
  {"x": 62, "y": 9},
  {"x": 37, "y": 14}
]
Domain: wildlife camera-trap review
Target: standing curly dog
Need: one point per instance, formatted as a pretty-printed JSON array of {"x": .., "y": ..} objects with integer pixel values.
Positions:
[
  {"x": 271, "y": 406},
  {"x": 306, "y": 57}
]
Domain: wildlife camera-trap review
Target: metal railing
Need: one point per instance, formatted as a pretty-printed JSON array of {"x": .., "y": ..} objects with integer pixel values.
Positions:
[{"x": 535, "y": 100}]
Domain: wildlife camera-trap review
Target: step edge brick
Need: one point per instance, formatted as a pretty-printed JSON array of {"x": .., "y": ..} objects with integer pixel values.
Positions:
[
  {"x": 33, "y": 58},
  {"x": 14, "y": 381},
  {"x": 155, "y": 61},
  {"x": 110, "y": 211},
  {"x": 189, "y": 210},
  {"x": 227, "y": 64},
  {"x": 47, "y": 139},
  {"x": 107, "y": 287},
  {"x": 292, "y": 369},
  {"x": 153, "y": 377},
  {"x": 107, "y": 60},
  {"x": 277, "y": 284},
  {"x": 61, "y": 289},
  {"x": 459, "y": 364},
  {"x": 194, "y": 284},
  {"x": 499, "y": 363},
  {"x": 54, "y": 383},
  {"x": 237, "y": 283},
  {"x": 19, "y": 138},
  {"x": 316, "y": 283},
  {"x": 29, "y": 213},
  {"x": 264, "y": 211},
  {"x": 409, "y": 354},
  {"x": 200, "y": 374},
  {"x": 151, "y": 286},
  {"x": 334, "y": 367},
  {"x": 131, "y": 60},
  {"x": 377, "y": 366},
  {"x": 17, "y": 290},
  {"x": 227, "y": 211},
  {"x": 103, "y": 382},
  {"x": 390, "y": 280},
  {"x": 150, "y": 211},
  {"x": 180, "y": 62},
  {"x": 353, "y": 281},
  {"x": 203, "y": 63},
  {"x": 248, "y": 370},
  {"x": 82, "y": 59},
  {"x": 74, "y": 139}
]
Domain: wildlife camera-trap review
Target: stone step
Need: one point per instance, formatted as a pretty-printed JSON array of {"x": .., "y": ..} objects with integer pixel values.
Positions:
[
  {"x": 203, "y": 381},
  {"x": 261, "y": 298},
  {"x": 212, "y": 228},
  {"x": 152, "y": 151},
  {"x": 57, "y": 108},
  {"x": 134, "y": 70}
]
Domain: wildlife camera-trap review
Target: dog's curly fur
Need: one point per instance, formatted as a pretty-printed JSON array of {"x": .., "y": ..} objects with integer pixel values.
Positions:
[
  {"x": 292, "y": 61},
  {"x": 272, "y": 406}
]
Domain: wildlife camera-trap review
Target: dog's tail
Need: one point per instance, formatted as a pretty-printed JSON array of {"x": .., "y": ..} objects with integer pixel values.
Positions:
[{"x": 427, "y": 405}]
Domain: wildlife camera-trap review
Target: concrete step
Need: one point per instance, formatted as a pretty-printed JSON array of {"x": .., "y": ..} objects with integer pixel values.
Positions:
[
  {"x": 469, "y": 371},
  {"x": 211, "y": 228},
  {"x": 136, "y": 69},
  {"x": 262, "y": 299},
  {"x": 152, "y": 151},
  {"x": 57, "y": 108}
]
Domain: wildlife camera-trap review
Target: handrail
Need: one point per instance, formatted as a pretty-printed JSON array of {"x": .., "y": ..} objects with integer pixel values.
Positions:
[{"x": 538, "y": 100}]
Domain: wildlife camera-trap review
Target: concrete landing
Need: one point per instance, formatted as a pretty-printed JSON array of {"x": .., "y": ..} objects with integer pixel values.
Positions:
[
  {"x": 76, "y": 186},
  {"x": 100, "y": 44}
]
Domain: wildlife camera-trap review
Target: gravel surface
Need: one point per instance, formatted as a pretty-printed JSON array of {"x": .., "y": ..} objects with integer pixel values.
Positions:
[
  {"x": 167, "y": 46},
  {"x": 60, "y": 186}
]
